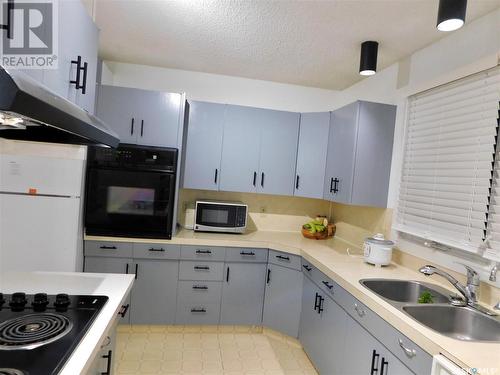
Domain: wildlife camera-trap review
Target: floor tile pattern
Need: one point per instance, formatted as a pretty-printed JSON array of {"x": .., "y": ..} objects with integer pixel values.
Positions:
[{"x": 208, "y": 350}]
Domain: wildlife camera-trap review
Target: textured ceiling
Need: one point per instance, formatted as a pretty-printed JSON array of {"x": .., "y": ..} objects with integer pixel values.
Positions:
[{"x": 310, "y": 43}]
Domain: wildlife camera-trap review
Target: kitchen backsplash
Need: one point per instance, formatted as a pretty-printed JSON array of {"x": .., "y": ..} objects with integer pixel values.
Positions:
[
  {"x": 281, "y": 213},
  {"x": 267, "y": 212}
]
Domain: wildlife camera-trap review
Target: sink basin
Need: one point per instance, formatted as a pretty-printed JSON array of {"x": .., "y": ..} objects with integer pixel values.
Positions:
[
  {"x": 405, "y": 291},
  {"x": 462, "y": 323}
]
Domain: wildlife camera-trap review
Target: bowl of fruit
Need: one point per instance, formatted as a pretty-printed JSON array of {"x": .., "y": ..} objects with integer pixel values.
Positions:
[{"x": 318, "y": 229}]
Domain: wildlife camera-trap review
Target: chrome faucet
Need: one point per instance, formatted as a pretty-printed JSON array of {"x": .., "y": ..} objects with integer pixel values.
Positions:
[
  {"x": 493, "y": 273},
  {"x": 469, "y": 291}
]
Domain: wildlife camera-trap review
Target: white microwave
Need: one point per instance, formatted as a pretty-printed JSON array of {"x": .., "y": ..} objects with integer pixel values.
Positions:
[{"x": 219, "y": 216}]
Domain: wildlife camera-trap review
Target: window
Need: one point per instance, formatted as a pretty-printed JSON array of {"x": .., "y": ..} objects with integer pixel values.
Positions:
[{"x": 449, "y": 191}]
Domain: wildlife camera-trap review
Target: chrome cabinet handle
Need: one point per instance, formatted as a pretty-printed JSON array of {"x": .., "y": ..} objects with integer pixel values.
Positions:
[
  {"x": 360, "y": 311},
  {"x": 410, "y": 353}
]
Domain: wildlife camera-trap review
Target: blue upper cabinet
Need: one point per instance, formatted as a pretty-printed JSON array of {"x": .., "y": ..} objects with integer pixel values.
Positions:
[
  {"x": 259, "y": 150},
  {"x": 204, "y": 145},
  {"x": 241, "y": 149},
  {"x": 359, "y": 154},
  {"x": 77, "y": 36},
  {"x": 278, "y": 152},
  {"x": 311, "y": 155},
  {"x": 150, "y": 118},
  {"x": 341, "y": 151}
]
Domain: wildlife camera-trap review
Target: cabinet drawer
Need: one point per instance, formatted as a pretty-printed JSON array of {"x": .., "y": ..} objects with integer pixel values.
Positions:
[
  {"x": 207, "y": 271},
  {"x": 285, "y": 259},
  {"x": 198, "y": 313},
  {"x": 416, "y": 359},
  {"x": 199, "y": 292},
  {"x": 156, "y": 251},
  {"x": 203, "y": 253},
  {"x": 243, "y": 254},
  {"x": 320, "y": 279},
  {"x": 108, "y": 249}
]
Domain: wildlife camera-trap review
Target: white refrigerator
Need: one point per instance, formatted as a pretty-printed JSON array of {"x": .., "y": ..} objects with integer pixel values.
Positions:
[{"x": 41, "y": 189}]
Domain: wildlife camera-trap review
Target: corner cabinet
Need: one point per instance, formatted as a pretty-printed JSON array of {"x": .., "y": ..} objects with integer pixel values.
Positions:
[
  {"x": 150, "y": 118},
  {"x": 204, "y": 145},
  {"x": 281, "y": 304},
  {"x": 359, "y": 154},
  {"x": 311, "y": 154},
  {"x": 259, "y": 150},
  {"x": 242, "y": 293}
]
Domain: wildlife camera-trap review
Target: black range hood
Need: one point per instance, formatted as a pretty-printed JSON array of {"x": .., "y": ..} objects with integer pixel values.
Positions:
[{"x": 30, "y": 111}]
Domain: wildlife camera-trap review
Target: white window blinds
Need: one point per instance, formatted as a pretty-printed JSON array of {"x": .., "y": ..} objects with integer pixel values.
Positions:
[{"x": 448, "y": 162}]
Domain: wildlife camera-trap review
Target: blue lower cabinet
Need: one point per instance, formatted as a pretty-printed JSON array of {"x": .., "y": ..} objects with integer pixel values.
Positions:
[
  {"x": 154, "y": 292},
  {"x": 282, "y": 304},
  {"x": 323, "y": 330},
  {"x": 243, "y": 293}
]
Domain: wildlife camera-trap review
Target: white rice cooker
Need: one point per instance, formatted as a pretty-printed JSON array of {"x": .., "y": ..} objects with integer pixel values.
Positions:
[{"x": 377, "y": 250}]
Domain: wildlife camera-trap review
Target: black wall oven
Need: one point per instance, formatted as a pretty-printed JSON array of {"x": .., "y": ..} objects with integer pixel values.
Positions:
[{"x": 130, "y": 191}]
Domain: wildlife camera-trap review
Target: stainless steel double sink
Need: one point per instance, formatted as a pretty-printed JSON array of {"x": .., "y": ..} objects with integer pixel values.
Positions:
[{"x": 462, "y": 323}]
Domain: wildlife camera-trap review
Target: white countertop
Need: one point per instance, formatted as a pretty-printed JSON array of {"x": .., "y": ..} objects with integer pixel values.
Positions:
[
  {"x": 115, "y": 286},
  {"x": 330, "y": 257}
]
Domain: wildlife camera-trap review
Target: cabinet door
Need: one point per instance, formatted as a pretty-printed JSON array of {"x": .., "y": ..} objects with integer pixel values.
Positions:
[
  {"x": 243, "y": 293},
  {"x": 278, "y": 152},
  {"x": 310, "y": 328},
  {"x": 341, "y": 154},
  {"x": 88, "y": 47},
  {"x": 323, "y": 330},
  {"x": 155, "y": 291},
  {"x": 111, "y": 265},
  {"x": 159, "y": 118},
  {"x": 365, "y": 355},
  {"x": 241, "y": 149},
  {"x": 375, "y": 137},
  {"x": 204, "y": 146},
  {"x": 311, "y": 154},
  {"x": 72, "y": 43},
  {"x": 117, "y": 108},
  {"x": 281, "y": 305}
]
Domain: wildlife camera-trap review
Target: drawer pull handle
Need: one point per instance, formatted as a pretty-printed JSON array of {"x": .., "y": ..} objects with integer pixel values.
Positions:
[
  {"x": 108, "y": 364},
  {"x": 307, "y": 268},
  {"x": 123, "y": 310},
  {"x": 204, "y": 268},
  {"x": 410, "y": 353},
  {"x": 250, "y": 253},
  {"x": 328, "y": 285},
  {"x": 198, "y": 310},
  {"x": 156, "y": 250},
  {"x": 203, "y": 251},
  {"x": 104, "y": 247},
  {"x": 359, "y": 310},
  {"x": 200, "y": 287},
  {"x": 281, "y": 257}
]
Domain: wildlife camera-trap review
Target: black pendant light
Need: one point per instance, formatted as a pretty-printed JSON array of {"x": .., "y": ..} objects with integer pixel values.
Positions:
[
  {"x": 368, "y": 60},
  {"x": 451, "y": 14}
]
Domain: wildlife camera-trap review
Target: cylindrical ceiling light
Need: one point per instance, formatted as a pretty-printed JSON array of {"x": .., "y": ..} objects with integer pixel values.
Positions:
[
  {"x": 451, "y": 14},
  {"x": 368, "y": 60}
]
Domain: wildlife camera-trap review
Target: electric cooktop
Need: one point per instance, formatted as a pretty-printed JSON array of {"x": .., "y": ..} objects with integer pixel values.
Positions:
[{"x": 39, "y": 332}]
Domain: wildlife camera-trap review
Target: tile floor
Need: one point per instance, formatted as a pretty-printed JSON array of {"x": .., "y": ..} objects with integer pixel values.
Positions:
[{"x": 208, "y": 350}]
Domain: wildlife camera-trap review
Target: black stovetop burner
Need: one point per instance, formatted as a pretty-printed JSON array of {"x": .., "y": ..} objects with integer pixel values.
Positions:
[{"x": 39, "y": 332}]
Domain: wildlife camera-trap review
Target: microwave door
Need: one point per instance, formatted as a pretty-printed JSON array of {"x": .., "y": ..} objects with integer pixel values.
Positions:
[{"x": 217, "y": 216}]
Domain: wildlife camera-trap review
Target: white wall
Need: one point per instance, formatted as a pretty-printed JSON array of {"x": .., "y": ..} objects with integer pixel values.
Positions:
[{"x": 220, "y": 88}]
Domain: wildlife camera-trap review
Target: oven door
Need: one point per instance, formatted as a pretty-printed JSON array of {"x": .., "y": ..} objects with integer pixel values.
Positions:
[{"x": 129, "y": 203}]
